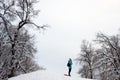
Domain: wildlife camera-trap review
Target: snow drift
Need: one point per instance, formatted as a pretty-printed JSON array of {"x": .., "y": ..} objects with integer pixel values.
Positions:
[{"x": 45, "y": 75}]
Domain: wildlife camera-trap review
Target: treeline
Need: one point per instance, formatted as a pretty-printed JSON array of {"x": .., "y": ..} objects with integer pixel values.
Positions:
[
  {"x": 101, "y": 60},
  {"x": 16, "y": 45}
]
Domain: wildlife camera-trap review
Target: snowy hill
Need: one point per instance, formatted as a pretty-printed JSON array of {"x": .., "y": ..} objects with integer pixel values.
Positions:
[{"x": 44, "y": 75}]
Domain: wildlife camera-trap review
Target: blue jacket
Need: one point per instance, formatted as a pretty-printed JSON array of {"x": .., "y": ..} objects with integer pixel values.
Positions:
[{"x": 70, "y": 64}]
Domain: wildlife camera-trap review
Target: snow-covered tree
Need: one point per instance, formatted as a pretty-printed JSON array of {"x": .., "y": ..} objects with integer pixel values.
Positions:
[
  {"x": 16, "y": 47},
  {"x": 86, "y": 60},
  {"x": 103, "y": 60},
  {"x": 108, "y": 56}
]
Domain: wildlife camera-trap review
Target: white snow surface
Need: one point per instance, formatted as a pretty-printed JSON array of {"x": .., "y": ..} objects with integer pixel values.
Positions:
[{"x": 45, "y": 75}]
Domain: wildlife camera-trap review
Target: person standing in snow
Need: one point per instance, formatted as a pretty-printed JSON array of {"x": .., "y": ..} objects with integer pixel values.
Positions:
[{"x": 69, "y": 65}]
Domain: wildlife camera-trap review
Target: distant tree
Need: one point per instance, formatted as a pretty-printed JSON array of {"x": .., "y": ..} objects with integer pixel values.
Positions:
[
  {"x": 86, "y": 60},
  {"x": 103, "y": 61},
  {"x": 16, "y": 46}
]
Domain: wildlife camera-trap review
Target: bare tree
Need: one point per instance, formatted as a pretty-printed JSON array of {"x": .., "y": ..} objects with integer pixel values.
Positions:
[
  {"x": 15, "y": 15},
  {"x": 102, "y": 62},
  {"x": 108, "y": 56},
  {"x": 86, "y": 60}
]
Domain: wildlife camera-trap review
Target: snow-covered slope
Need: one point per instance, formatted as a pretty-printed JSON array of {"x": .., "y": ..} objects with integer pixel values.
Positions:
[{"x": 44, "y": 75}]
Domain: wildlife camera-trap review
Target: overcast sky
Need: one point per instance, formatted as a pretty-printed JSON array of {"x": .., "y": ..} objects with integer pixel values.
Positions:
[{"x": 72, "y": 21}]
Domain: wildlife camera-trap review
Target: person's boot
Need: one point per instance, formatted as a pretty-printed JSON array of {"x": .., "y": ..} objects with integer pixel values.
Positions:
[{"x": 69, "y": 74}]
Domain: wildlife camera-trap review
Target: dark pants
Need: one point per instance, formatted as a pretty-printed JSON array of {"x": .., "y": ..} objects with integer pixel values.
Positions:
[{"x": 69, "y": 72}]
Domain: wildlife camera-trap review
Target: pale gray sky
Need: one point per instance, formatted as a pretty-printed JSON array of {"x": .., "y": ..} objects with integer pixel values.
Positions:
[{"x": 72, "y": 21}]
